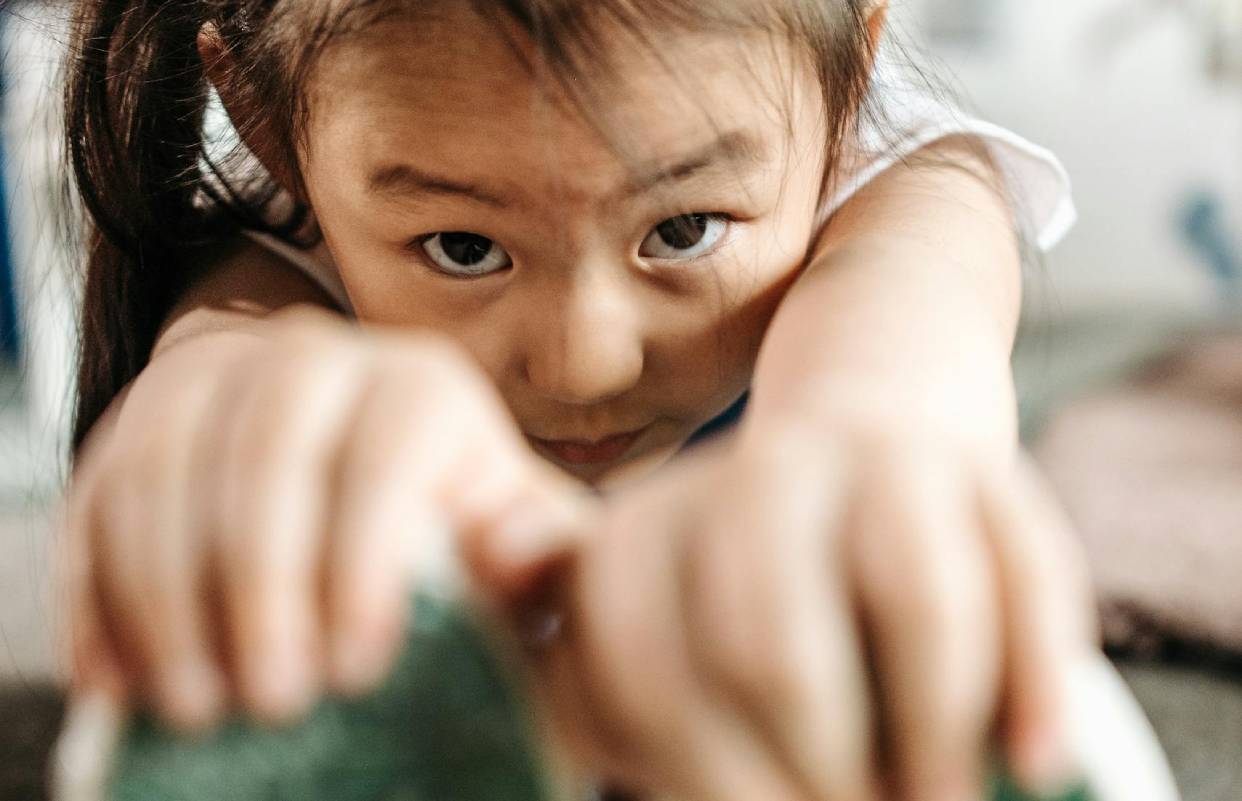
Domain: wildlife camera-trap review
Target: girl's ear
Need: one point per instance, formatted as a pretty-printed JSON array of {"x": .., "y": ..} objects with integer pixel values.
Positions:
[
  {"x": 255, "y": 135},
  {"x": 877, "y": 17}
]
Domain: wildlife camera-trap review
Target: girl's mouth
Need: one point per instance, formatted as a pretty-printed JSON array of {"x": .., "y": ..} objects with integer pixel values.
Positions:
[{"x": 587, "y": 453}]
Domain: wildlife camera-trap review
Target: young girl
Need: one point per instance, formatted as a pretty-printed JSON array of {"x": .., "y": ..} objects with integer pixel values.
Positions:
[{"x": 570, "y": 236}]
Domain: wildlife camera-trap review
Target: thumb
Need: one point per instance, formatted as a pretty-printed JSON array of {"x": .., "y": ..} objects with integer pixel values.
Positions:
[{"x": 515, "y": 549}]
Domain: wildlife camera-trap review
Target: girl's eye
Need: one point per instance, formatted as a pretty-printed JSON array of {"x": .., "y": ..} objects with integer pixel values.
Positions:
[
  {"x": 684, "y": 237},
  {"x": 464, "y": 254}
]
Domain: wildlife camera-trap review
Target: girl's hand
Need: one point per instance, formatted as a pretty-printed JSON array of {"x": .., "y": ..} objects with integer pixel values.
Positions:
[
  {"x": 241, "y": 525},
  {"x": 801, "y": 615}
]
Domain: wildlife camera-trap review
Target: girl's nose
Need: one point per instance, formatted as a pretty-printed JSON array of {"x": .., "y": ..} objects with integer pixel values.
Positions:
[{"x": 584, "y": 343}]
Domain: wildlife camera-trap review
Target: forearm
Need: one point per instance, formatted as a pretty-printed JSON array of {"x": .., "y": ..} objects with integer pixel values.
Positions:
[{"x": 907, "y": 311}]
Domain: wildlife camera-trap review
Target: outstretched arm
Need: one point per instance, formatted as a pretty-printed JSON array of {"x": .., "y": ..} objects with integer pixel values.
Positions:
[
  {"x": 883, "y": 401},
  {"x": 908, "y": 309}
]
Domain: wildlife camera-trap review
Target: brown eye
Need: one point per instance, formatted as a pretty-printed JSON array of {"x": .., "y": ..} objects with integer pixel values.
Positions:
[
  {"x": 684, "y": 237},
  {"x": 465, "y": 254}
]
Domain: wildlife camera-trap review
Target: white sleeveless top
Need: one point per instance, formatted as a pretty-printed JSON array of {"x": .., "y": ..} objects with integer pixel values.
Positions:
[{"x": 903, "y": 118}]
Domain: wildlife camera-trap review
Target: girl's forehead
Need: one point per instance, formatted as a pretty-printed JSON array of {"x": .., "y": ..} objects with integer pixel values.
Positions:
[{"x": 452, "y": 83}]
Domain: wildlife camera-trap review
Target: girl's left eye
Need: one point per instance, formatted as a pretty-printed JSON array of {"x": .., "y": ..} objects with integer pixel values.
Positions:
[{"x": 685, "y": 237}]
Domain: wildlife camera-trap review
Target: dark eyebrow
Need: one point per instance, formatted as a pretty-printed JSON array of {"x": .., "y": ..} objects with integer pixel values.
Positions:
[
  {"x": 406, "y": 180},
  {"x": 734, "y": 147}
]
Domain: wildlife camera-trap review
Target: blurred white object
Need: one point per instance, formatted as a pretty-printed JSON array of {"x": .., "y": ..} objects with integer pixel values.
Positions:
[
  {"x": 969, "y": 23},
  {"x": 1113, "y": 739},
  {"x": 1223, "y": 26}
]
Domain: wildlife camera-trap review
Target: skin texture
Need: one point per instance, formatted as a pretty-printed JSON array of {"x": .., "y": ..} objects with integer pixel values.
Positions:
[
  {"x": 584, "y": 335},
  {"x": 849, "y": 598}
]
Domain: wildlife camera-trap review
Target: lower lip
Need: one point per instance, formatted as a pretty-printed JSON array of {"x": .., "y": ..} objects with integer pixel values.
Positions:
[{"x": 608, "y": 450}]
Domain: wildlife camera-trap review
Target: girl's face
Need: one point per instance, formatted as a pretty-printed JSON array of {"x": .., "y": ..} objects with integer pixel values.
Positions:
[{"x": 618, "y": 303}]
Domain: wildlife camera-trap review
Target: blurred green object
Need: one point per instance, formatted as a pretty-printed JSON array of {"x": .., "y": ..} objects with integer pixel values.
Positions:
[
  {"x": 448, "y": 725},
  {"x": 1004, "y": 790}
]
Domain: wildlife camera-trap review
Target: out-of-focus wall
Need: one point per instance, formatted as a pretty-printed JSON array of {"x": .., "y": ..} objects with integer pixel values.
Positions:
[
  {"x": 34, "y": 420},
  {"x": 1120, "y": 90},
  {"x": 34, "y": 414}
]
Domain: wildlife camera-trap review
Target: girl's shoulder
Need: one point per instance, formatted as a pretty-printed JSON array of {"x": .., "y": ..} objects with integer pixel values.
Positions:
[
  {"x": 234, "y": 170},
  {"x": 906, "y": 112},
  {"x": 315, "y": 263}
]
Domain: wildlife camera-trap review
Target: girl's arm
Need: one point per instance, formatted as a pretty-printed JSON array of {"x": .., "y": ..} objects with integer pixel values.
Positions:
[
  {"x": 884, "y": 385},
  {"x": 907, "y": 313},
  {"x": 233, "y": 518}
]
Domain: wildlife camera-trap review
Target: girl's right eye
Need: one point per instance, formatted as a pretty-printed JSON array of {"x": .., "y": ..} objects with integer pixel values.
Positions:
[{"x": 465, "y": 255}]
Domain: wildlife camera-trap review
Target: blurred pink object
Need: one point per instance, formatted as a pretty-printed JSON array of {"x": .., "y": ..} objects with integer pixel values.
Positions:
[{"x": 1151, "y": 473}]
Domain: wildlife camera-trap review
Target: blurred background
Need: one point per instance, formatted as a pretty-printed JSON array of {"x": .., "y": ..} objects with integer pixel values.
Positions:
[{"x": 1129, "y": 367}]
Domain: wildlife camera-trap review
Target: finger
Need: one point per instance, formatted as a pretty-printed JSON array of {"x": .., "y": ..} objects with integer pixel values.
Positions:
[
  {"x": 627, "y": 681},
  {"x": 421, "y": 436},
  {"x": 776, "y": 628},
  {"x": 272, "y": 473},
  {"x": 727, "y": 763},
  {"x": 723, "y": 761},
  {"x": 1049, "y": 622},
  {"x": 159, "y": 561},
  {"x": 515, "y": 516},
  {"x": 94, "y": 666},
  {"x": 520, "y": 545},
  {"x": 385, "y": 519},
  {"x": 625, "y": 628},
  {"x": 927, "y": 592}
]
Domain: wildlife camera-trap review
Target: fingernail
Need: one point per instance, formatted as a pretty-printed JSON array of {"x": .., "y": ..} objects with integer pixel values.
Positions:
[
  {"x": 360, "y": 663},
  {"x": 192, "y": 696},
  {"x": 356, "y": 669},
  {"x": 283, "y": 687},
  {"x": 529, "y": 534},
  {"x": 1046, "y": 768},
  {"x": 483, "y": 498},
  {"x": 959, "y": 786}
]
